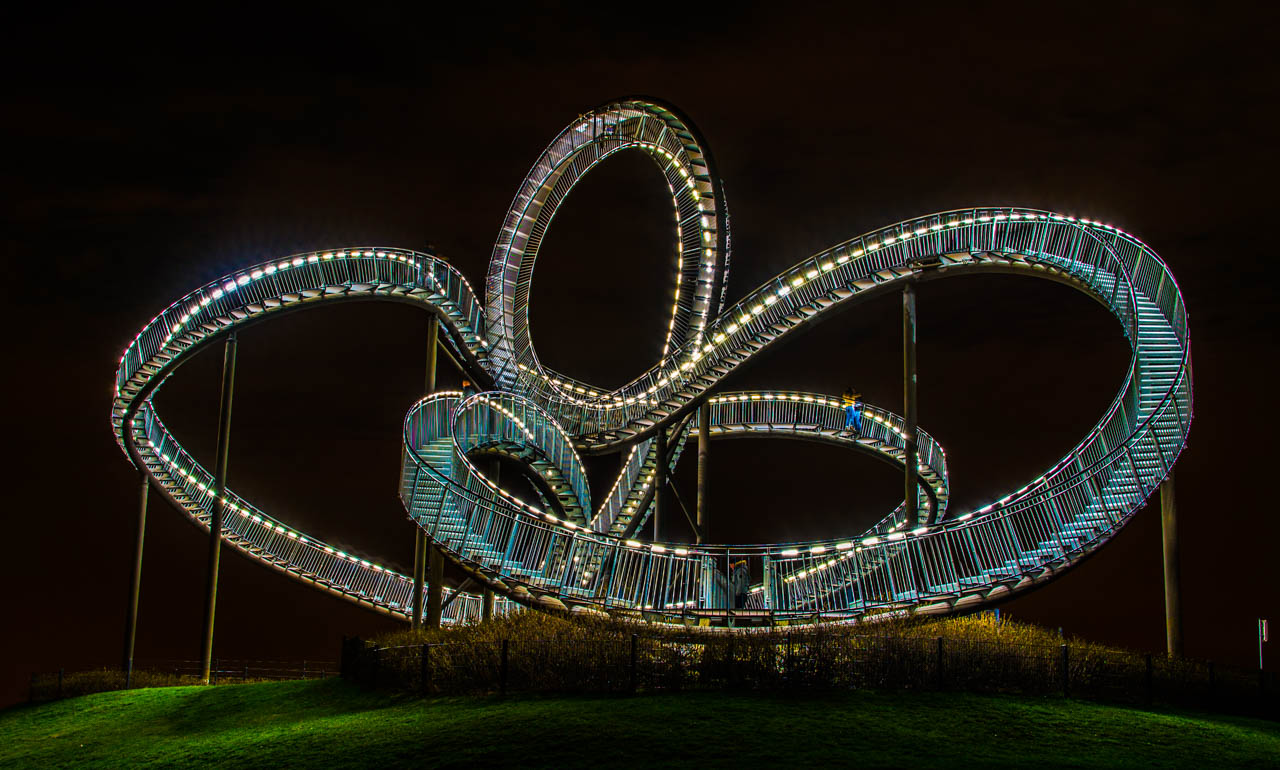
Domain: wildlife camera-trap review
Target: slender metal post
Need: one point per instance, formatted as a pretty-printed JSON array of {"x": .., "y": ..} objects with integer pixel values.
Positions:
[
  {"x": 1146, "y": 680},
  {"x": 632, "y": 669},
  {"x": 704, "y": 451},
  {"x": 1172, "y": 572},
  {"x": 419, "y": 573},
  {"x": 219, "y": 500},
  {"x": 502, "y": 668},
  {"x": 424, "y": 669},
  {"x": 660, "y": 481},
  {"x": 1066, "y": 671},
  {"x": 435, "y": 586},
  {"x": 433, "y": 341},
  {"x": 135, "y": 585},
  {"x": 909, "y": 459},
  {"x": 419, "y": 537}
]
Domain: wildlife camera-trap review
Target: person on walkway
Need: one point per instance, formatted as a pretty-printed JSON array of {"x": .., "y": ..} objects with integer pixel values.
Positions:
[
  {"x": 852, "y": 410},
  {"x": 740, "y": 583}
]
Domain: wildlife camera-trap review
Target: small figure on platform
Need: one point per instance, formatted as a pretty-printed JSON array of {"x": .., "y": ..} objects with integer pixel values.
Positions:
[
  {"x": 740, "y": 583},
  {"x": 852, "y": 410}
]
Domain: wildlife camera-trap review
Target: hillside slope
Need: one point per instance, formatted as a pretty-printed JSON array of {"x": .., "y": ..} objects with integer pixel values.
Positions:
[{"x": 334, "y": 724}]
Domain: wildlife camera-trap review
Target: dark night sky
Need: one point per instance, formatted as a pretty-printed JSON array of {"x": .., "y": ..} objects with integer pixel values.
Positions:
[{"x": 147, "y": 155}]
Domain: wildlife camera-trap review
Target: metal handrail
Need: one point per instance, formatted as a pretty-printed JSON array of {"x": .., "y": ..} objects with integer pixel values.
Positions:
[{"x": 1022, "y": 539}]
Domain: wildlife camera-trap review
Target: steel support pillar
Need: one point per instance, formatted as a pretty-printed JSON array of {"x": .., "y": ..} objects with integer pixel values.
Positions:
[
  {"x": 910, "y": 459},
  {"x": 435, "y": 586},
  {"x": 135, "y": 584},
  {"x": 419, "y": 573},
  {"x": 660, "y": 505},
  {"x": 433, "y": 340},
  {"x": 704, "y": 450},
  {"x": 1172, "y": 571},
  {"x": 486, "y": 606},
  {"x": 420, "y": 546},
  {"x": 219, "y": 500}
]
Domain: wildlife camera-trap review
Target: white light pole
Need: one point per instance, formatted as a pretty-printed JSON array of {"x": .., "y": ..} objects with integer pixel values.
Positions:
[{"x": 1262, "y": 637}]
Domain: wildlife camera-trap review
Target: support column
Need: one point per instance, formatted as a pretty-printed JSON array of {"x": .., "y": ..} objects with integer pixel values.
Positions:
[
  {"x": 704, "y": 450},
  {"x": 433, "y": 340},
  {"x": 435, "y": 587},
  {"x": 1172, "y": 576},
  {"x": 486, "y": 606},
  {"x": 660, "y": 506},
  {"x": 419, "y": 573},
  {"x": 420, "y": 546},
  {"x": 135, "y": 585},
  {"x": 910, "y": 458},
  {"x": 219, "y": 499}
]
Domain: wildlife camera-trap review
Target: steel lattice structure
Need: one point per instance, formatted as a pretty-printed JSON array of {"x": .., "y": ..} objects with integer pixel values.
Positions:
[{"x": 567, "y": 550}]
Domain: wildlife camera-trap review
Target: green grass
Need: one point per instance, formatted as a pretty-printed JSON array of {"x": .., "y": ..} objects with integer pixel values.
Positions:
[{"x": 334, "y": 724}]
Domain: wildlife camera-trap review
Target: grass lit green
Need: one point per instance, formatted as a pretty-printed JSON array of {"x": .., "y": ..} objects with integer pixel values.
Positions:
[{"x": 332, "y": 723}]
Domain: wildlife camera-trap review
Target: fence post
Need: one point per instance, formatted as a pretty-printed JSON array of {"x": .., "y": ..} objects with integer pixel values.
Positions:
[
  {"x": 214, "y": 678},
  {"x": 377, "y": 665},
  {"x": 128, "y": 676},
  {"x": 502, "y": 670},
  {"x": 60, "y": 682},
  {"x": 1212, "y": 683},
  {"x": 942, "y": 681},
  {"x": 1148, "y": 679},
  {"x": 634, "y": 639},
  {"x": 790, "y": 671},
  {"x": 732, "y": 664},
  {"x": 304, "y": 668},
  {"x": 424, "y": 672},
  {"x": 1066, "y": 672},
  {"x": 245, "y": 676}
]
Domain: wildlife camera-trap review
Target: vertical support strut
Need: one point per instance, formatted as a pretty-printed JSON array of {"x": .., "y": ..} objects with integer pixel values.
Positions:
[
  {"x": 909, "y": 460},
  {"x": 135, "y": 585},
  {"x": 420, "y": 546},
  {"x": 435, "y": 586},
  {"x": 704, "y": 449},
  {"x": 486, "y": 605},
  {"x": 1172, "y": 571},
  {"x": 419, "y": 573},
  {"x": 660, "y": 481},
  {"x": 433, "y": 339},
  {"x": 219, "y": 500}
]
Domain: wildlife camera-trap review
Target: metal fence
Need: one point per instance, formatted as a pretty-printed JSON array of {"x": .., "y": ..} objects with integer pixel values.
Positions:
[
  {"x": 67, "y": 683},
  {"x": 804, "y": 661}
]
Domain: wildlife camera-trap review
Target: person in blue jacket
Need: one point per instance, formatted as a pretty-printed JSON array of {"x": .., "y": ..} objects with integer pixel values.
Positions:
[{"x": 852, "y": 410}]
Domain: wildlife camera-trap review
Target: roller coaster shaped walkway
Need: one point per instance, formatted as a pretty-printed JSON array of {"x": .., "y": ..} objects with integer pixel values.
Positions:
[{"x": 562, "y": 550}]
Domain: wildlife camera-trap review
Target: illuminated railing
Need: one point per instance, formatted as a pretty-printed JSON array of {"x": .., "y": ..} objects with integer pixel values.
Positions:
[
  {"x": 530, "y": 553},
  {"x": 249, "y": 295},
  {"x": 700, "y": 239},
  {"x": 1033, "y": 531},
  {"x": 352, "y": 576},
  {"x": 1088, "y": 253}
]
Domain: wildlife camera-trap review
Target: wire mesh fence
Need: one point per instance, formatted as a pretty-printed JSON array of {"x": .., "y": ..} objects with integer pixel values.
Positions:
[
  {"x": 66, "y": 683},
  {"x": 779, "y": 662}
]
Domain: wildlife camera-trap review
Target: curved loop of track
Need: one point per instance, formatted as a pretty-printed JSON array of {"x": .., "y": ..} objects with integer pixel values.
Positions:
[{"x": 590, "y": 560}]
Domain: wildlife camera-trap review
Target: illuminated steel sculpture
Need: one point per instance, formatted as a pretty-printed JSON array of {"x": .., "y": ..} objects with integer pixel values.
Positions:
[{"x": 566, "y": 550}]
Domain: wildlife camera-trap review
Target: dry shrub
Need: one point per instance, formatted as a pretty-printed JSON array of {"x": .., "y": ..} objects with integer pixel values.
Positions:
[{"x": 591, "y": 653}]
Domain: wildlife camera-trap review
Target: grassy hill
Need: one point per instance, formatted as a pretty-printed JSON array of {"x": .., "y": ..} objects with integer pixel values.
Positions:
[{"x": 334, "y": 724}]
